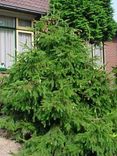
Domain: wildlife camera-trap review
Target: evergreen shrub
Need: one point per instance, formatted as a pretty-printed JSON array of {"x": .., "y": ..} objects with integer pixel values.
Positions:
[{"x": 56, "y": 90}]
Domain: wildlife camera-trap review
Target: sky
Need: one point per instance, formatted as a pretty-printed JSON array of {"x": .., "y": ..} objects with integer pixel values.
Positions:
[{"x": 114, "y": 4}]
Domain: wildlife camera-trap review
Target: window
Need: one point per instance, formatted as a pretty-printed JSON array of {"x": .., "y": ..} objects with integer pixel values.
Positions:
[
  {"x": 24, "y": 40},
  {"x": 7, "y": 40},
  {"x": 97, "y": 53},
  {"x": 24, "y": 35},
  {"x": 7, "y": 47},
  {"x": 15, "y": 35},
  {"x": 7, "y": 22},
  {"x": 24, "y": 23}
]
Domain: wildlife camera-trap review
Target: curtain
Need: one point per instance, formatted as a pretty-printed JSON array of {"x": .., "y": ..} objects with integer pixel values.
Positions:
[
  {"x": 7, "y": 47},
  {"x": 7, "y": 21},
  {"x": 98, "y": 53},
  {"x": 24, "y": 41}
]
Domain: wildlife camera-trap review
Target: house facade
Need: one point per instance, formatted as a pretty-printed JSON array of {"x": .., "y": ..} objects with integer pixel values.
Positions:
[
  {"x": 16, "y": 22},
  {"x": 110, "y": 54},
  {"x": 105, "y": 55}
]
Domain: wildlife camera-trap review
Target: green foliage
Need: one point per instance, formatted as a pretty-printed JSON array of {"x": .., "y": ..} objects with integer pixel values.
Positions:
[
  {"x": 115, "y": 73},
  {"x": 2, "y": 69},
  {"x": 19, "y": 130},
  {"x": 90, "y": 142},
  {"x": 93, "y": 19},
  {"x": 60, "y": 97}
]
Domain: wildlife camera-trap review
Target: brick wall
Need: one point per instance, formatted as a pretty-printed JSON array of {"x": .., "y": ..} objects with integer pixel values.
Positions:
[{"x": 110, "y": 52}]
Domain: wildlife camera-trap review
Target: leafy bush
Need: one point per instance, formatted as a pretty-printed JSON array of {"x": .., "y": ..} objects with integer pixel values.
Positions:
[{"x": 56, "y": 89}]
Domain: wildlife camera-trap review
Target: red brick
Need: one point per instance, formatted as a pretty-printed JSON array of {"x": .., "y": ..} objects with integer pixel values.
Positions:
[{"x": 110, "y": 50}]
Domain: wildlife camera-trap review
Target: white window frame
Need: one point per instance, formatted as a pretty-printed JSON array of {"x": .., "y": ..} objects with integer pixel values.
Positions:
[
  {"x": 20, "y": 29},
  {"x": 100, "y": 58},
  {"x": 26, "y": 30}
]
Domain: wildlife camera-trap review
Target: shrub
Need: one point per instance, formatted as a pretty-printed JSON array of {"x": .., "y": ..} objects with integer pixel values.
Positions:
[
  {"x": 56, "y": 88},
  {"x": 115, "y": 73}
]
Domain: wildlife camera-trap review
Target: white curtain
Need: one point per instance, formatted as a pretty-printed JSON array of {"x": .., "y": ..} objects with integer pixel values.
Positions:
[
  {"x": 7, "y": 47},
  {"x": 7, "y": 21},
  {"x": 24, "y": 41},
  {"x": 98, "y": 53}
]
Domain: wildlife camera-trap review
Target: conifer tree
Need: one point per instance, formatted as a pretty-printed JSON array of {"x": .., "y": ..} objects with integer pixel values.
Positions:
[
  {"x": 57, "y": 91},
  {"x": 93, "y": 19}
]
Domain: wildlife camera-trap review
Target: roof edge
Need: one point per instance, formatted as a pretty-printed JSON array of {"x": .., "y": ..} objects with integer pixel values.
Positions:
[{"x": 15, "y": 8}]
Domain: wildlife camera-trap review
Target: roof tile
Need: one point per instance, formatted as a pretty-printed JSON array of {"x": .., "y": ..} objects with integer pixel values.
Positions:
[{"x": 35, "y": 6}]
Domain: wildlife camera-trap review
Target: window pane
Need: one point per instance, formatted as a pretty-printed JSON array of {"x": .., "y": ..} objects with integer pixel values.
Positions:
[
  {"x": 7, "y": 22},
  {"x": 24, "y": 23},
  {"x": 98, "y": 53},
  {"x": 24, "y": 41},
  {"x": 7, "y": 47}
]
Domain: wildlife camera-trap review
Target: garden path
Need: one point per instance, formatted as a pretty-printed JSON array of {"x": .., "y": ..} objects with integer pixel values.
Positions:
[{"x": 8, "y": 146}]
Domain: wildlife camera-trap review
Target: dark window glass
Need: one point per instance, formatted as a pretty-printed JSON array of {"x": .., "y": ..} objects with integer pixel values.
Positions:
[
  {"x": 7, "y": 22},
  {"x": 24, "y": 23}
]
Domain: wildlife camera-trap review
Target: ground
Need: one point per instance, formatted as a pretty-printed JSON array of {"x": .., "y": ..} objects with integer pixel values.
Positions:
[{"x": 8, "y": 146}]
